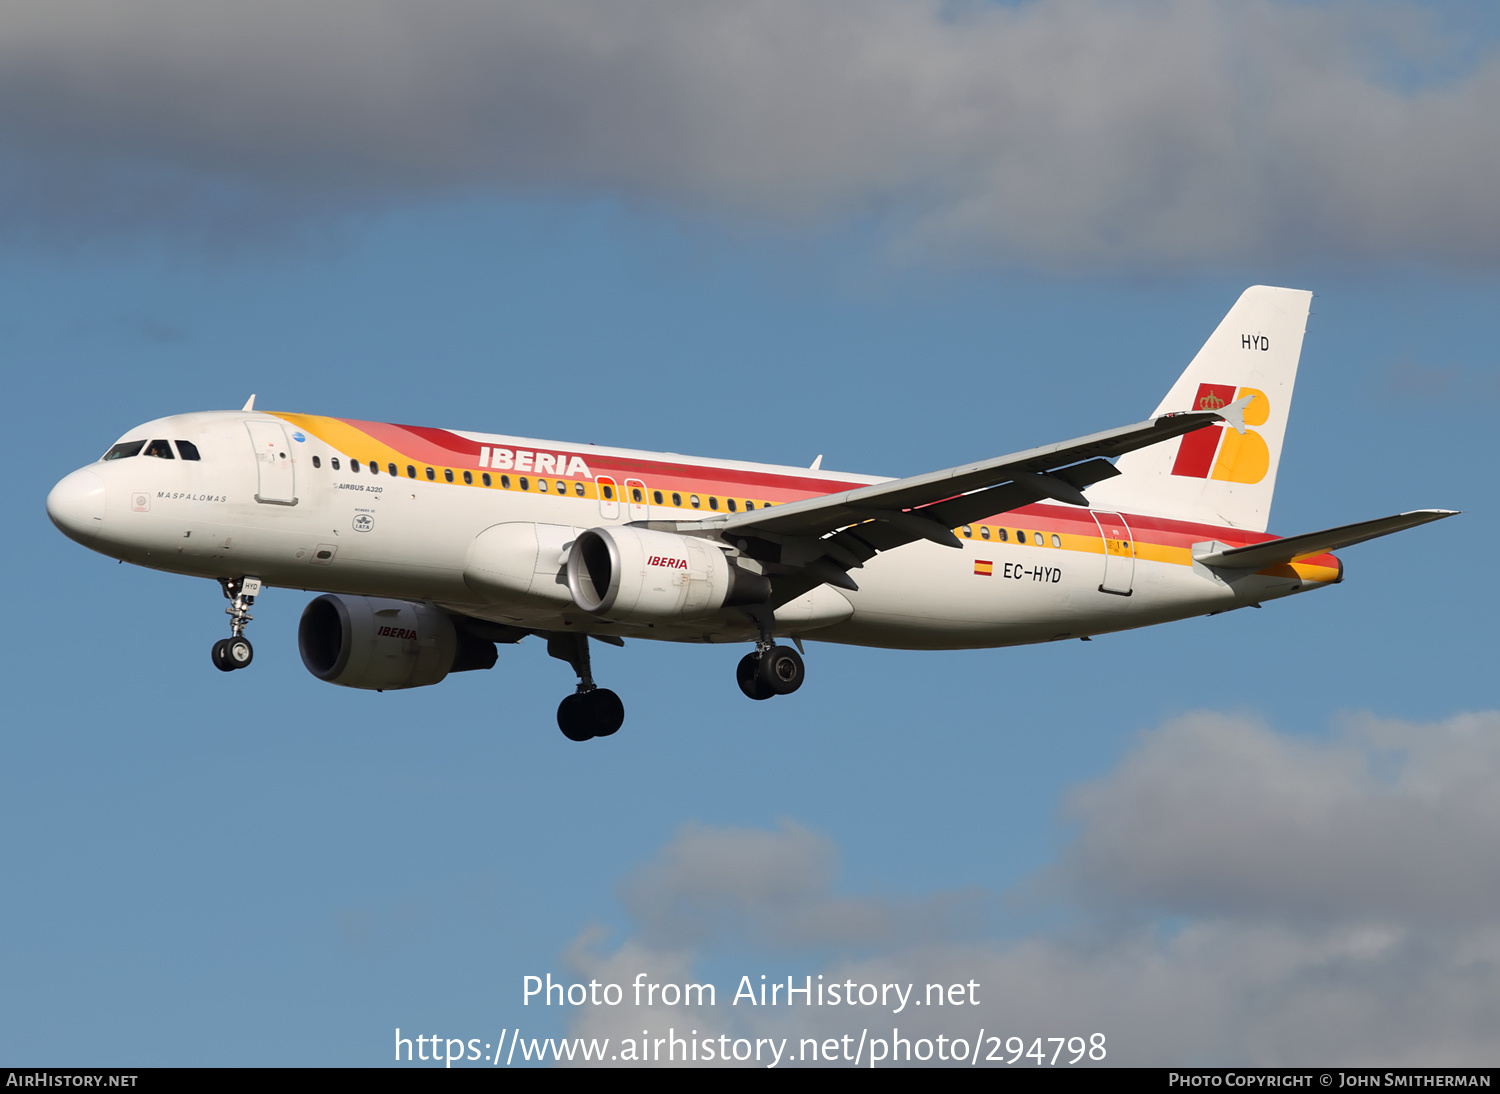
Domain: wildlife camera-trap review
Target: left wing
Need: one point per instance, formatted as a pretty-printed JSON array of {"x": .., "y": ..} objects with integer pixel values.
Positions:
[{"x": 818, "y": 540}]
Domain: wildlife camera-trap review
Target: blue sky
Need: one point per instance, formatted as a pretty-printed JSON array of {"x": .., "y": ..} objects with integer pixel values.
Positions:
[{"x": 262, "y": 869}]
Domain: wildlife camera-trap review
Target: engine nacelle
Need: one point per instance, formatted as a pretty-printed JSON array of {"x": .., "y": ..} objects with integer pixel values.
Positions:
[
  {"x": 638, "y": 576},
  {"x": 384, "y": 645},
  {"x": 520, "y": 562}
]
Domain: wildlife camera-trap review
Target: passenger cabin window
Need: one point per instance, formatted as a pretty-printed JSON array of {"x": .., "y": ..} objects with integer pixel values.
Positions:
[
  {"x": 374, "y": 468},
  {"x": 124, "y": 450},
  {"x": 395, "y": 474},
  {"x": 693, "y": 500},
  {"x": 731, "y": 505},
  {"x": 635, "y": 495},
  {"x": 447, "y": 474},
  {"x": 485, "y": 478},
  {"x": 677, "y": 500},
  {"x": 609, "y": 493},
  {"x": 984, "y": 531},
  {"x": 188, "y": 450},
  {"x": 160, "y": 449},
  {"x": 749, "y": 505},
  {"x": 354, "y": 466},
  {"x": 505, "y": 482},
  {"x": 541, "y": 484},
  {"x": 411, "y": 472},
  {"x": 1056, "y": 542},
  {"x": 468, "y": 478},
  {"x": 713, "y": 503},
  {"x": 335, "y": 462},
  {"x": 968, "y": 532},
  {"x": 316, "y": 462},
  {"x": 578, "y": 489},
  {"x": 656, "y": 496},
  {"x": 431, "y": 474},
  {"x": 562, "y": 488},
  {"x": 525, "y": 482},
  {"x": 1002, "y": 535}
]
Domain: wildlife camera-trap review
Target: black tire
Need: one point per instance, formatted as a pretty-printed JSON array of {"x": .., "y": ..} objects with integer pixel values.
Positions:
[
  {"x": 749, "y": 681},
  {"x": 781, "y": 670},
  {"x": 238, "y": 652},
  {"x": 572, "y": 718},
  {"x": 220, "y": 657},
  {"x": 606, "y": 713}
]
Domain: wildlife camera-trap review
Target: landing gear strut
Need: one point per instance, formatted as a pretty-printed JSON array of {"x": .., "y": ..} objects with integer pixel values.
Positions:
[
  {"x": 235, "y": 652},
  {"x": 590, "y": 711},
  {"x": 771, "y": 669}
]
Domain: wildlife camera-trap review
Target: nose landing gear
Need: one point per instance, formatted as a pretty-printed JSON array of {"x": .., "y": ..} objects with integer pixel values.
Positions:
[
  {"x": 236, "y": 652},
  {"x": 590, "y": 711}
]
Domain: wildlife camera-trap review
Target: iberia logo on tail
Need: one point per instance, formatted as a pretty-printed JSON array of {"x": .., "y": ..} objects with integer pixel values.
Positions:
[{"x": 1219, "y": 453}]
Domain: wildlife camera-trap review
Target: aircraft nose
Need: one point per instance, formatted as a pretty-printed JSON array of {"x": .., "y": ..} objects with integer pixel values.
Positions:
[{"x": 76, "y": 505}]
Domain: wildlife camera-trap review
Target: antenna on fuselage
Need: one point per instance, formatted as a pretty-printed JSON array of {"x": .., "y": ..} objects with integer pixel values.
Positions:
[{"x": 250, "y": 405}]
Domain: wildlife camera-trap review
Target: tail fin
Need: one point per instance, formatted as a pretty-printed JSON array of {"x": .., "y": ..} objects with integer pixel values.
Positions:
[{"x": 1224, "y": 474}]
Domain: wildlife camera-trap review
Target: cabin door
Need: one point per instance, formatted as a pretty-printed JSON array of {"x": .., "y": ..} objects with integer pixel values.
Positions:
[
  {"x": 1119, "y": 553},
  {"x": 273, "y": 463}
]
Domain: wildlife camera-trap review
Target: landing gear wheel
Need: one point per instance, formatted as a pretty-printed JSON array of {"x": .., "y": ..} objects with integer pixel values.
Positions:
[
  {"x": 605, "y": 711},
  {"x": 780, "y": 670},
  {"x": 749, "y": 682},
  {"x": 572, "y": 718},
  {"x": 238, "y": 652},
  {"x": 220, "y": 657},
  {"x": 587, "y": 714}
]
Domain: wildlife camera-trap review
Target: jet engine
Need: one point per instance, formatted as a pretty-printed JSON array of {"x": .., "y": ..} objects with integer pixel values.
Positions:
[
  {"x": 633, "y": 575},
  {"x": 384, "y": 645}
]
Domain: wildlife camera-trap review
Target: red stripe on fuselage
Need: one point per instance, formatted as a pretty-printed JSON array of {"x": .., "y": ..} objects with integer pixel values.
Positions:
[
  {"x": 446, "y": 449},
  {"x": 443, "y": 448}
]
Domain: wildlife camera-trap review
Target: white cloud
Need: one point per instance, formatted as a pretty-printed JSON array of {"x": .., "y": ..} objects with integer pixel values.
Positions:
[
  {"x": 1221, "y": 815},
  {"x": 1250, "y": 898},
  {"x": 1066, "y": 132}
]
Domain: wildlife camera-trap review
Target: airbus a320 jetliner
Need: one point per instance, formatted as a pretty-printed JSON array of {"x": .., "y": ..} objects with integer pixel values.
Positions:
[{"x": 434, "y": 545}]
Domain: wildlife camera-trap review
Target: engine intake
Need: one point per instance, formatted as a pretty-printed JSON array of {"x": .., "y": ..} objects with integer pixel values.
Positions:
[{"x": 638, "y": 576}]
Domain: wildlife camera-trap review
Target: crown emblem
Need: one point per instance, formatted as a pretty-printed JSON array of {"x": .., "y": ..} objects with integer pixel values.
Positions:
[{"x": 1210, "y": 401}]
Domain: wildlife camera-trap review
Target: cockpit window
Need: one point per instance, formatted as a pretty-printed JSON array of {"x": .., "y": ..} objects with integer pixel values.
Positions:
[
  {"x": 160, "y": 449},
  {"x": 187, "y": 450},
  {"x": 124, "y": 450}
]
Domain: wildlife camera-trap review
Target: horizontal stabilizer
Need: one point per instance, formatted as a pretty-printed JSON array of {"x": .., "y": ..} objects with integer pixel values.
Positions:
[{"x": 1277, "y": 552}]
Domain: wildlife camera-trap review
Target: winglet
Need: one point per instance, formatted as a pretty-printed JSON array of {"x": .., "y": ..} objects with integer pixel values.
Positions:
[
  {"x": 1234, "y": 413},
  {"x": 249, "y": 404},
  {"x": 817, "y": 463}
]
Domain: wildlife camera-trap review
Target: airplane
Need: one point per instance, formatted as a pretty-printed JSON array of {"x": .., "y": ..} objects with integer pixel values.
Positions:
[{"x": 430, "y": 547}]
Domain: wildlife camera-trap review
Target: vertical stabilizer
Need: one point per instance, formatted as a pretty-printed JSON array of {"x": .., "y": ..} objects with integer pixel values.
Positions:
[{"x": 1219, "y": 475}]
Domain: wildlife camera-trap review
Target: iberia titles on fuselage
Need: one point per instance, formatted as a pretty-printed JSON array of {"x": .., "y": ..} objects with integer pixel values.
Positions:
[{"x": 431, "y": 546}]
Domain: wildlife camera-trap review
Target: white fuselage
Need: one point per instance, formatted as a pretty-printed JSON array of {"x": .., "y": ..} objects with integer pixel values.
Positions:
[{"x": 238, "y": 511}]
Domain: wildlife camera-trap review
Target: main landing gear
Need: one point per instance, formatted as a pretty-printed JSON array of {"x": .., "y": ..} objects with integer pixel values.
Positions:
[
  {"x": 590, "y": 711},
  {"x": 770, "y": 670},
  {"x": 235, "y": 652}
]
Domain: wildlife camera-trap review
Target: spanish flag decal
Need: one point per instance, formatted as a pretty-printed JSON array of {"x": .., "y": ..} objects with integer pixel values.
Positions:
[{"x": 983, "y": 568}]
